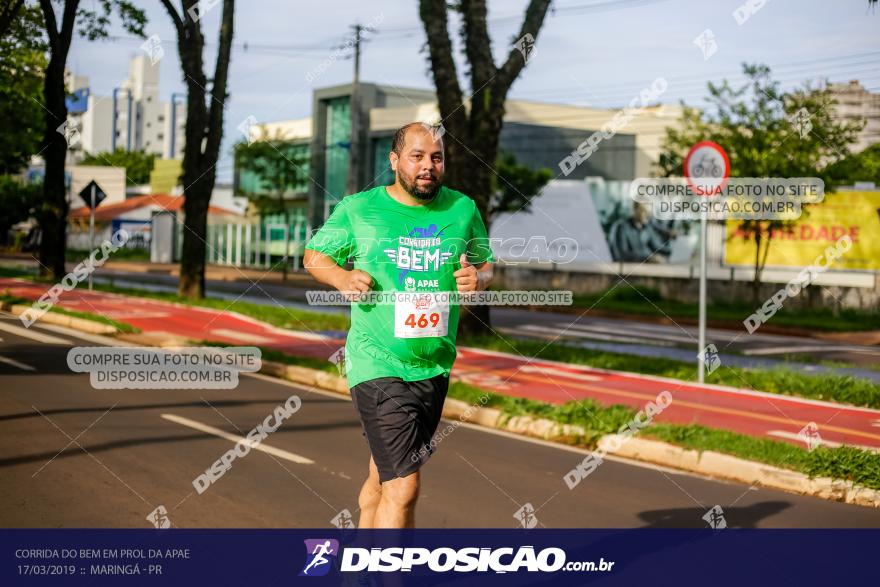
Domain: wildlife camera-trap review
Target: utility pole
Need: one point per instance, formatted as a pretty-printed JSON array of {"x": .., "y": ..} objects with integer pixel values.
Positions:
[{"x": 354, "y": 159}]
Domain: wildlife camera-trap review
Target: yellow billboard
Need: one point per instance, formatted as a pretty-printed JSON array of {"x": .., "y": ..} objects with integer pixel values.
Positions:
[{"x": 856, "y": 214}]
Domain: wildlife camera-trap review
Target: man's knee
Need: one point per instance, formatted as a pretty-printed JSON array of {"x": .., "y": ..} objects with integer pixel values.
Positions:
[
  {"x": 402, "y": 491},
  {"x": 369, "y": 496}
]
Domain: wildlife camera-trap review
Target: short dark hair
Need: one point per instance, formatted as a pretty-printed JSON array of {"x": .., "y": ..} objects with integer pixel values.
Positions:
[{"x": 399, "y": 140}]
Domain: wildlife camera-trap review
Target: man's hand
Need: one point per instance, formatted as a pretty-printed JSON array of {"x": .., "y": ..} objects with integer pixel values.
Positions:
[
  {"x": 466, "y": 277},
  {"x": 354, "y": 282}
]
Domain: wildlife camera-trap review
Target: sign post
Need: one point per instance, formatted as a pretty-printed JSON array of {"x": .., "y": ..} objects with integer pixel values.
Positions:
[
  {"x": 92, "y": 195},
  {"x": 706, "y": 168}
]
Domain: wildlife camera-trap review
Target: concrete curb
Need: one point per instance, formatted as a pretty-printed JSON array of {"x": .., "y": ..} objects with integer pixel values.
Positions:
[
  {"x": 82, "y": 324},
  {"x": 708, "y": 463}
]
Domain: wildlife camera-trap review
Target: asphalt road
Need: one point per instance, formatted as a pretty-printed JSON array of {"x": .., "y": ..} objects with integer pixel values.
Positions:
[{"x": 74, "y": 456}]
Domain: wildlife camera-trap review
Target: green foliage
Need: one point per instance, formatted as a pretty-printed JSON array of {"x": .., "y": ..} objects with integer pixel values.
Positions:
[
  {"x": 18, "y": 201},
  {"x": 22, "y": 63},
  {"x": 863, "y": 166},
  {"x": 515, "y": 185},
  {"x": 279, "y": 165},
  {"x": 94, "y": 22},
  {"x": 754, "y": 124},
  {"x": 137, "y": 164},
  {"x": 641, "y": 301},
  {"x": 847, "y": 463},
  {"x": 757, "y": 125}
]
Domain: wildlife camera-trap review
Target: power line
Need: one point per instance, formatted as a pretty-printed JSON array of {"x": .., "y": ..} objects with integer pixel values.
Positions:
[{"x": 773, "y": 68}]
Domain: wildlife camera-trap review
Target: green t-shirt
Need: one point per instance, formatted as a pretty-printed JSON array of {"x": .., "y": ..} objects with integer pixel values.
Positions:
[{"x": 404, "y": 249}]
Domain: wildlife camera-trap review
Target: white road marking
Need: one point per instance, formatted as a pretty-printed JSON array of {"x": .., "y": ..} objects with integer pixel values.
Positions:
[
  {"x": 94, "y": 338},
  {"x": 32, "y": 334},
  {"x": 823, "y": 441},
  {"x": 15, "y": 363},
  {"x": 241, "y": 336},
  {"x": 809, "y": 349},
  {"x": 283, "y": 454},
  {"x": 573, "y": 332},
  {"x": 550, "y": 371},
  {"x": 616, "y": 332}
]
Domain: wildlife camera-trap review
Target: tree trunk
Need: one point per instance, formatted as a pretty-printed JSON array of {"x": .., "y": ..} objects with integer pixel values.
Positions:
[
  {"x": 195, "y": 228},
  {"x": 471, "y": 176},
  {"x": 204, "y": 131},
  {"x": 53, "y": 212},
  {"x": 756, "y": 279},
  {"x": 473, "y": 127}
]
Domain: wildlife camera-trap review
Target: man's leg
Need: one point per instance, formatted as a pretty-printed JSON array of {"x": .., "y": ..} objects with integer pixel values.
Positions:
[
  {"x": 368, "y": 500},
  {"x": 397, "y": 506}
]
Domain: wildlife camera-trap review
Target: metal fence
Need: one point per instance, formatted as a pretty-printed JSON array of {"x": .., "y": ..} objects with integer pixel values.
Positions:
[{"x": 253, "y": 245}]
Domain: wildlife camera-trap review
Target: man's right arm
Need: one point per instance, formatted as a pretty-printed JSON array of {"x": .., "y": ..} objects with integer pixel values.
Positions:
[{"x": 324, "y": 269}]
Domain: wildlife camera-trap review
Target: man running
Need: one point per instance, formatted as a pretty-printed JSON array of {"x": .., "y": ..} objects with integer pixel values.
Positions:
[{"x": 419, "y": 238}]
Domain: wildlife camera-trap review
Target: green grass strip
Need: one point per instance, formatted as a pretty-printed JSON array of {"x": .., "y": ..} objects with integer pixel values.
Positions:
[
  {"x": 825, "y": 386},
  {"x": 120, "y": 326},
  {"x": 847, "y": 463},
  {"x": 637, "y": 301}
]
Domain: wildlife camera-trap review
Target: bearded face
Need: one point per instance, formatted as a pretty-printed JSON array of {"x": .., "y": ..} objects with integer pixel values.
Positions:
[
  {"x": 420, "y": 164},
  {"x": 423, "y": 185}
]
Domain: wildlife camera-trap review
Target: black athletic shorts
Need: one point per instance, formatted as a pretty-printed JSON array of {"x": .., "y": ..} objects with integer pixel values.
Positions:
[{"x": 399, "y": 420}]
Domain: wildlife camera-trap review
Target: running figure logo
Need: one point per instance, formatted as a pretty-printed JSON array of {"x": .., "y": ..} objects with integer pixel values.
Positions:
[{"x": 319, "y": 554}]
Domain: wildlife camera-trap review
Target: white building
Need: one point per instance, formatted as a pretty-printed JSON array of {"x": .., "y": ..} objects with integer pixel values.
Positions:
[
  {"x": 854, "y": 102},
  {"x": 132, "y": 117}
]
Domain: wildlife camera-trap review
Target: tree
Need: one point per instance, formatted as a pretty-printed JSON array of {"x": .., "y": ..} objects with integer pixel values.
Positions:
[
  {"x": 863, "y": 166},
  {"x": 279, "y": 168},
  {"x": 92, "y": 24},
  {"x": 137, "y": 164},
  {"x": 473, "y": 132},
  {"x": 18, "y": 202},
  {"x": 22, "y": 66},
  {"x": 204, "y": 131},
  {"x": 515, "y": 185},
  {"x": 766, "y": 133},
  {"x": 8, "y": 14}
]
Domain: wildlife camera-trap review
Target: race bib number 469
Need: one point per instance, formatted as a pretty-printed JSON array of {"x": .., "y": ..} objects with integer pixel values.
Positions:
[{"x": 420, "y": 314}]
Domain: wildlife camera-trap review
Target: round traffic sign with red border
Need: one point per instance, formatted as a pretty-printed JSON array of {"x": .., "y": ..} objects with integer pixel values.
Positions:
[{"x": 707, "y": 168}]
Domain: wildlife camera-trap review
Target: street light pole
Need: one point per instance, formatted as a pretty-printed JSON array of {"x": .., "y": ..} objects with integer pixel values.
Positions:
[
  {"x": 92, "y": 228},
  {"x": 701, "y": 374},
  {"x": 354, "y": 160}
]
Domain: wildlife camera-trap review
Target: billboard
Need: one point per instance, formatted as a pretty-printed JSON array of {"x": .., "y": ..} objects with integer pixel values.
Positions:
[
  {"x": 630, "y": 231},
  {"x": 855, "y": 213},
  {"x": 607, "y": 224}
]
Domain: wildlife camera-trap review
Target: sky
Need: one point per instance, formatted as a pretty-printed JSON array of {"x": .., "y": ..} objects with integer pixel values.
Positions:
[{"x": 599, "y": 53}]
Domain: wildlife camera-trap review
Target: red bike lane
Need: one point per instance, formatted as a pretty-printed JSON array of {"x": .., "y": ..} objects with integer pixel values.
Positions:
[{"x": 741, "y": 410}]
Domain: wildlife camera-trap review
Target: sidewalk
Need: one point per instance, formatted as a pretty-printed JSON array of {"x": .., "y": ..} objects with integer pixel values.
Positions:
[{"x": 748, "y": 412}]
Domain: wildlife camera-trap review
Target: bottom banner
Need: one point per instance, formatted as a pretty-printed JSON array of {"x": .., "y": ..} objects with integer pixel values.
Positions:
[{"x": 436, "y": 557}]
